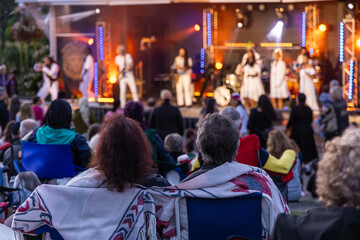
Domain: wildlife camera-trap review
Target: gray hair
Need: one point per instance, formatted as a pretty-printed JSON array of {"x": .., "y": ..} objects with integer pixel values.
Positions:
[
  {"x": 173, "y": 143},
  {"x": 27, "y": 126},
  {"x": 218, "y": 139},
  {"x": 336, "y": 93},
  {"x": 165, "y": 94},
  {"x": 233, "y": 114},
  {"x": 27, "y": 180}
]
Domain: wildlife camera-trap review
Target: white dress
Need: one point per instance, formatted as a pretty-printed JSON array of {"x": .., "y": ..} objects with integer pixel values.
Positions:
[
  {"x": 183, "y": 85},
  {"x": 278, "y": 85},
  {"x": 307, "y": 87},
  {"x": 252, "y": 86},
  {"x": 88, "y": 77},
  {"x": 49, "y": 86}
]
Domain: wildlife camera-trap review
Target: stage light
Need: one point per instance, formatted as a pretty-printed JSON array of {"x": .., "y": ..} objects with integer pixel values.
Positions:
[
  {"x": 351, "y": 79},
  {"x": 276, "y": 33},
  {"x": 303, "y": 29},
  {"x": 101, "y": 42},
  {"x": 196, "y": 94},
  {"x": 96, "y": 79},
  {"x": 112, "y": 79},
  {"x": 341, "y": 42},
  {"x": 350, "y": 6},
  {"x": 291, "y": 7},
  {"x": 322, "y": 27},
  {"x": 97, "y": 11},
  {"x": 197, "y": 27},
  {"x": 218, "y": 65},
  {"x": 250, "y": 7},
  {"x": 208, "y": 26},
  {"x": 91, "y": 41},
  {"x": 262, "y": 7},
  {"x": 241, "y": 18},
  {"x": 202, "y": 60},
  {"x": 358, "y": 42}
]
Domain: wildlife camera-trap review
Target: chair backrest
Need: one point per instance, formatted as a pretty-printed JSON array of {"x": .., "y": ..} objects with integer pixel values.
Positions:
[
  {"x": 248, "y": 151},
  {"x": 47, "y": 160},
  {"x": 222, "y": 218}
]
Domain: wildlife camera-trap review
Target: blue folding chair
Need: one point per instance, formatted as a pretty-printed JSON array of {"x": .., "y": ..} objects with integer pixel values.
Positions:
[
  {"x": 47, "y": 160},
  {"x": 222, "y": 218}
]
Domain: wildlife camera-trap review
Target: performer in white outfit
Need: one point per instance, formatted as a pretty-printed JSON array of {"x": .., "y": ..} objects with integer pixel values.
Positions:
[
  {"x": 307, "y": 87},
  {"x": 50, "y": 71},
  {"x": 278, "y": 86},
  {"x": 240, "y": 67},
  {"x": 252, "y": 87},
  {"x": 126, "y": 74},
  {"x": 87, "y": 75},
  {"x": 183, "y": 65}
]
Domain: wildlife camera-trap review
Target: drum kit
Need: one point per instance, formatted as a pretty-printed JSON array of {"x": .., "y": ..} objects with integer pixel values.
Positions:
[{"x": 231, "y": 84}]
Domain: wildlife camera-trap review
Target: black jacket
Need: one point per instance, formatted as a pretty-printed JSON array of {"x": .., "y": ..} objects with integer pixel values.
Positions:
[
  {"x": 4, "y": 115},
  {"x": 166, "y": 119},
  {"x": 80, "y": 149},
  {"x": 319, "y": 224}
]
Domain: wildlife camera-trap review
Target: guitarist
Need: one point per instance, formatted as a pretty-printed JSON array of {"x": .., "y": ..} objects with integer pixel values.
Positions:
[
  {"x": 126, "y": 74},
  {"x": 50, "y": 71}
]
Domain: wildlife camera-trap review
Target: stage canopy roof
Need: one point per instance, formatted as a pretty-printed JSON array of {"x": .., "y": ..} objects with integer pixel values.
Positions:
[{"x": 144, "y": 2}]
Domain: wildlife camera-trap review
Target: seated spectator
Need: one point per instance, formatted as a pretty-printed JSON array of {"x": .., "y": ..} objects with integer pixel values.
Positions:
[
  {"x": 209, "y": 107},
  {"x": 161, "y": 156},
  {"x": 218, "y": 140},
  {"x": 325, "y": 97},
  {"x": 151, "y": 102},
  {"x": 26, "y": 127},
  {"x": 289, "y": 186},
  {"x": 174, "y": 144},
  {"x": 85, "y": 207},
  {"x": 281, "y": 164},
  {"x": 37, "y": 110},
  {"x": 338, "y": 189},
  {"x": 83, "y": 117},
  {"x": 4, "y": 113},
  {"x": 25, "y": 112},
  {"x": 14, "y": 107},
  {"x": 56, "y": 130},
  {"x": 10, "y": 135},
  {"x": 93, "y": 130},
  {"x": 115, "y": 110},
  {"x": 166, "y": 118},
  {"x": 336, "y": 119}
]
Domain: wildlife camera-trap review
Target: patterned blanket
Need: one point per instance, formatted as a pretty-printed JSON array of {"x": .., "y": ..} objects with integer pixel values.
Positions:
[
  {"x": 228, "y": 180},
  {"x": 86, "y": 209}
]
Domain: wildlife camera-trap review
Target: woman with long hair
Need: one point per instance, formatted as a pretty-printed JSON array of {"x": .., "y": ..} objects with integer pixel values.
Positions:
[
  {"x": 299, "y": 124},
  {"x": 277, "y": 143},
  {"x": 25, "y": 112},
  {"x": 209, "y": 107},
  {"x": 261, "y": 118},
  {"x": 104, "y": 194},
  {"x": 183, "y": 64},
  {"x": 252, "y": 87}
]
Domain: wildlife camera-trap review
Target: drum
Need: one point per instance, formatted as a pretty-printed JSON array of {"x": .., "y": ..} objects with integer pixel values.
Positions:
[{"x": 222, "y": 96}]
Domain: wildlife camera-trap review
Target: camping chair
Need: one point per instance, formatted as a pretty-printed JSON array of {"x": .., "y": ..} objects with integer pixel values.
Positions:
[
  {"x": 47, "y": 160},
  {"x": 222, "y": 218},
  {"x": 249, "y": 150}
]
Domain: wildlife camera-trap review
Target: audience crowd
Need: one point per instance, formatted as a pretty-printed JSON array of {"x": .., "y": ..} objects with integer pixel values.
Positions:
[{"x": 131, "y": 168}]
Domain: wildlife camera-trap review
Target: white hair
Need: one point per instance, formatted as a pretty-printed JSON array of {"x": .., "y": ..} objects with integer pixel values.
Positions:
[{"x": 27, "y": 126}]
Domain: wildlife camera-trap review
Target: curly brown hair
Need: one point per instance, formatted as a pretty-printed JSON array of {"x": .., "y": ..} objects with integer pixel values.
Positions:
[
  {"x": 123, "y": 153},
  {"x": 338, "y": 176}
]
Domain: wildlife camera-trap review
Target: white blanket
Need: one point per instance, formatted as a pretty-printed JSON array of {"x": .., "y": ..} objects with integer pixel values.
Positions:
[
  {"x": 86, "y": 209},
  {"x": 228, "y": 180}
]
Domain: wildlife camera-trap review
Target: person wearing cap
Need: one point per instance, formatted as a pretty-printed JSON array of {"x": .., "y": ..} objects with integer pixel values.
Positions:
[{"x": 126, "y": 77}]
